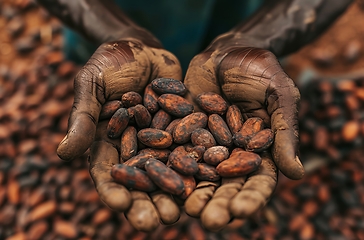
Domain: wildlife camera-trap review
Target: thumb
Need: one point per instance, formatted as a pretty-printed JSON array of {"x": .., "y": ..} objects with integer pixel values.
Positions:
[
  {"x": 166, "y": 65},
  {"x": 201, "y": 77},
  {"x": 88, "y": 99},
  {"x": 282, "y": 99}
]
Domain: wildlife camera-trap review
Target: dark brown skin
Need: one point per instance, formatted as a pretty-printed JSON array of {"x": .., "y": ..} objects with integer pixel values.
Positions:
[
  {"x": 175, "y": 105},
  {"x": 168, "y": 85},
  {"x": 131, "y": 99},
  {"x": 129, "y": 143},
  {"x": 220, "y": 130},
  {"x": 132, "y": 178},
  {"x": 211, "y": 102},
  {"x": 234, "y": 119},
  {"x": 161, "y": 120},
  {"x": 164, "y": 177},
  {"x": 183, "y": 130},
  {"x": 109, "y": 108},
  {"x": 130, "y": 57},
  {"x": 118, "y": 122}
]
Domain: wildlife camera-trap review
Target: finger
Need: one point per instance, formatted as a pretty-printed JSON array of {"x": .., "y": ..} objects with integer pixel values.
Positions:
[
  {"x": 256, "y": 191},
  {"x": 166, "y": 65},
  {"x": 216, "y": 215},
  {"x": 103, "y": 156},
  {"x": 142, "y": 214},
  {"x": 196, "y": 202},
  {"x": 282, "y": 100},
  {"x": 200, "y": 77},
  {"x": 84, "y": 115},
  {"x": 168, "y": 210}
]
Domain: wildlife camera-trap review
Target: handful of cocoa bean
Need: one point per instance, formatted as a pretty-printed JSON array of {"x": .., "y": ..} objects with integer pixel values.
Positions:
[{"x": 166, "y": 145}]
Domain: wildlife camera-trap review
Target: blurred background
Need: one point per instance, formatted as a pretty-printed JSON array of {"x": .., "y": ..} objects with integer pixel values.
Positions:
[{"x": 42, "y": 197}]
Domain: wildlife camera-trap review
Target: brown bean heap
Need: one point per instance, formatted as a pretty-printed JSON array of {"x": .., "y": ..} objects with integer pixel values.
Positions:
[
  {"x": 331, "y": 118},
  {"x": 166, "y": 145}
]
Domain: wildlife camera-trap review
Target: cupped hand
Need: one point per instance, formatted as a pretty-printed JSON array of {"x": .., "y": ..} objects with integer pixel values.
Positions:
[
  {"x": 116, "y": 68},
  {"x": 252, "y": 79}
]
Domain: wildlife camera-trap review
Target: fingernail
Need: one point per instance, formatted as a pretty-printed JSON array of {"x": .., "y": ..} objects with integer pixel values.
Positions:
[{"x": 64, "y": 139}]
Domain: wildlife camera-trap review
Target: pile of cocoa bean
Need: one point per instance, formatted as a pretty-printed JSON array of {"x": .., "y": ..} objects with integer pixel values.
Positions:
[
  {"x": 331, "y": 115},
  {"x": 166, "y": 145},
  {"x": 42, "y": 197}
]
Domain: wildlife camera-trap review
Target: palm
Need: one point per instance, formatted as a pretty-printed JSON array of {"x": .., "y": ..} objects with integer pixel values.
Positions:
[
  {"x": 252, "y": 79},
  {"x": 116, "y": 68}
]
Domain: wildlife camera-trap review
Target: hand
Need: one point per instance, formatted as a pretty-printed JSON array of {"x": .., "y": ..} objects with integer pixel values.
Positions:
[
  {"x": 115, "y": 68},
  {"x": 253, "y": 79}
]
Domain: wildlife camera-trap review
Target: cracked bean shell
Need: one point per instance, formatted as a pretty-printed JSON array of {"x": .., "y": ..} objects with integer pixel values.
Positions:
[
  {"x": 202, "y": 137},
  {"x": 130, "y": 99},
  {"x": 215, "y": 155}
]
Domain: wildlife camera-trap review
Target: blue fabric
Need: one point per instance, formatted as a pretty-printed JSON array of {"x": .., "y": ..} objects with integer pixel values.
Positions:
[{"x": 184, "y": 27}]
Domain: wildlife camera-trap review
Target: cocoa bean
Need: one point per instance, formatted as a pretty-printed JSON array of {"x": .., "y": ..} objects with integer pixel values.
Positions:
[
  {"x": 155, "y": 138},
  {"x": 132, "y": 178},
  {"x": 168, "y": 180},
  {"x": 175, "y": 105},
  {"x": 216, "y": 155},
  {"x": 168, "y": 85},
  {"x": 183, "y": 130},
  {"x": 212, "y": 103},
  {"x": 109, "y": 108},
  {"x": 220, "y": 130},
  {"x": 131, "y": 99},
  {"x": 150, "y": 99},
  {"x": 239, "y": 164},
  {"x": 182, "y": 162},
  {"x": 118, "y": 122}
]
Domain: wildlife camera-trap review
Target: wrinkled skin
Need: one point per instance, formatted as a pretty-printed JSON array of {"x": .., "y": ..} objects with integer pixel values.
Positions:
[
  {"x": 253, "y": 79},
  {"x": 116, "y": 68},
  {"x": 248, "y": 77}
]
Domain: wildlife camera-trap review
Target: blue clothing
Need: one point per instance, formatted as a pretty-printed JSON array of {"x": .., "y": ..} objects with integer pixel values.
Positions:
[{"x": 185, "y": 28}]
